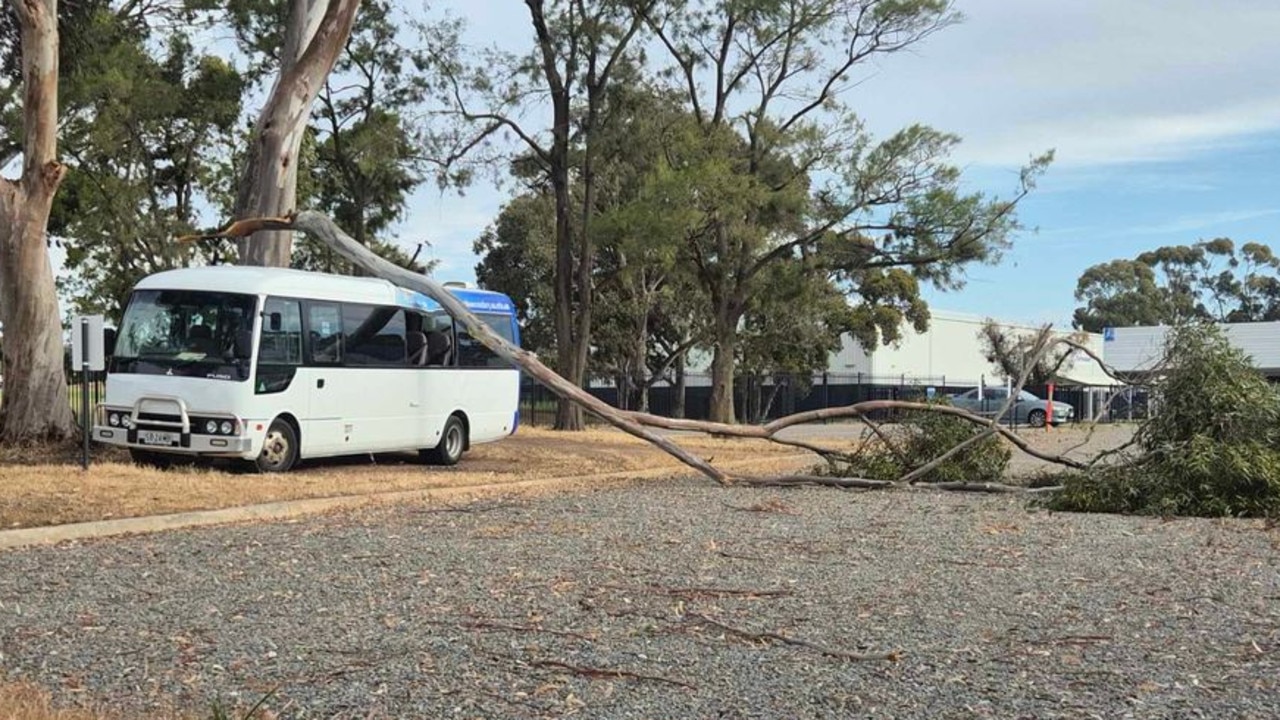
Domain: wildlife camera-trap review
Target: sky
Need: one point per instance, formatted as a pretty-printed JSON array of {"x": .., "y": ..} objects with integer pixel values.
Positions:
[{"x": 1164, "y": 116}]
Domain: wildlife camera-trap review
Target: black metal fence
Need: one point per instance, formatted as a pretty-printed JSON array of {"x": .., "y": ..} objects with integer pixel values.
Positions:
[
  {"x": 97, "y": 391},
  {"x": 757, "y": 400}
]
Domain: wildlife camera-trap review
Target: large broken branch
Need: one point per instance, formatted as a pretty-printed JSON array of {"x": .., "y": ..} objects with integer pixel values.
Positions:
[
  {"x": 320, "y": 227},
  {"x": 642, "y": 425}
]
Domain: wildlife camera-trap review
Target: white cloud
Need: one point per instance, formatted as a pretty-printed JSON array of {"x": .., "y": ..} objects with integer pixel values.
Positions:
[
  {"x": 1104, "y": 82},
  {"x": 1199, "y": 221},
  {"x": 451, "y": 223}
]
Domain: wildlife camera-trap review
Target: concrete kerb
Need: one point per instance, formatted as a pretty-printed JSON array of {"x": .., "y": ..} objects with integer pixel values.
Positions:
[{"x": 286, "y": 509}]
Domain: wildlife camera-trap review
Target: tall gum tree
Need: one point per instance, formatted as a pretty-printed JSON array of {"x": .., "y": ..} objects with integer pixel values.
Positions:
[
  {"x": 578, "y": 48},
  {"x": 801, "y": 179},
  {"x": 315, "y": 35},
  {"x": 34, "y": 405}
]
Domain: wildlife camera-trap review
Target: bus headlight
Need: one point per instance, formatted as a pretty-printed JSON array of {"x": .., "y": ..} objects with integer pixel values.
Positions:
[
  {"x": 113, "y": 419},
  {"x": 211, "y": 427},
  {"x": 226, "y": 427}
]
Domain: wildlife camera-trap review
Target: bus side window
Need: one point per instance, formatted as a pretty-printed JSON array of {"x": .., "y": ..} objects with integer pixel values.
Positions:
[
  {"x": 324, "y": 322},
  {"x": 473, "y": 353},
  {"x": 374, "y": 335},
  {"x": 438, "y": 334}
]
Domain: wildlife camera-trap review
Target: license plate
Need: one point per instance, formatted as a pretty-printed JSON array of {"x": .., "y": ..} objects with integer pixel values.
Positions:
[{"x": 155, "y": 437}]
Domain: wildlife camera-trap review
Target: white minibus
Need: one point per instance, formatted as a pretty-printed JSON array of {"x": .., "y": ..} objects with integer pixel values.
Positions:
[{"x": 273, "y": 365}]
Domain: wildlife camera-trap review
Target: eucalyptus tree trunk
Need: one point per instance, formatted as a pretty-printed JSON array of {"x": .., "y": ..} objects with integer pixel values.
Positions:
[
  {"x": 678, "y": 404},
  {"x": 35, "y": 405},
  {"x": 317, "y": 32}
]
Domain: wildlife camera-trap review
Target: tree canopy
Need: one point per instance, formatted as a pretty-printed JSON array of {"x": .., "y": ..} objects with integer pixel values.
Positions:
[
  {"x": 759, "y": 165},
  {"x": 1214, "y": 280}
]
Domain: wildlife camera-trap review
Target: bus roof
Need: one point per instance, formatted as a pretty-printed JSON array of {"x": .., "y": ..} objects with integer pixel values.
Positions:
[{"x": 286, "y": 282}]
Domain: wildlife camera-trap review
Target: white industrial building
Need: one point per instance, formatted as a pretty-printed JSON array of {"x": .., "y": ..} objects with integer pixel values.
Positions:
[
  {"x": 1137, "y": 350},
  {"x": 950, "y": 352}
]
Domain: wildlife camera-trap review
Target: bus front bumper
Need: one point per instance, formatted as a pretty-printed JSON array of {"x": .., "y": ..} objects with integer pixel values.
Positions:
[{"x": 187, "y": 444}]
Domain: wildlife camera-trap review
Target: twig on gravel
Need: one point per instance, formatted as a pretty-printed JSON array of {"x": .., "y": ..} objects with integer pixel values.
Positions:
[
  {"x": 759, "y": 636},
  {"x": 490, "y": 625},
  {"x": 1074, "y": 640},
  {"x": 693, "y": 593},
  {"x": 594, "y": 672},
  {"x": 732, "y": 556}
]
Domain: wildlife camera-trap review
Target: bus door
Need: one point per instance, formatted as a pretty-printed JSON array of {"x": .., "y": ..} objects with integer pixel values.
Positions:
[
  {"x": 280, "y": 384},
  {"x": 331, "y": 398}
]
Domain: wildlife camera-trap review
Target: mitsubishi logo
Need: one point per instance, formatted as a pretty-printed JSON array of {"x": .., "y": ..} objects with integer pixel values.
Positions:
[{"x": 169, "y": 372}]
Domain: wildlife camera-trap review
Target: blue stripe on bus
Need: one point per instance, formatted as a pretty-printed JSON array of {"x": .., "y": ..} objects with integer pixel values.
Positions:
[{"x": 474, "y": 300}]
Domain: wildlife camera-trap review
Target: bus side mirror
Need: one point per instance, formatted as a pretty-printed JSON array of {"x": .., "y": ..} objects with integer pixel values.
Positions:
[
  {"x": 108, "y": 341},
  {"x": 243, "y": 344},
  {"x": 274, "y": 321}
]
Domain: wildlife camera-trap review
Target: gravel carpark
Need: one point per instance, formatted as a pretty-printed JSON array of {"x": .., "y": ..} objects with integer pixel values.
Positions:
[{"x": 664, "y": 600}]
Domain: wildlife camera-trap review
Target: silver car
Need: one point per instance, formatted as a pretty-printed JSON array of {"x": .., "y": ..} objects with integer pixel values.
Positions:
[{"x": 1027, "y": 410}]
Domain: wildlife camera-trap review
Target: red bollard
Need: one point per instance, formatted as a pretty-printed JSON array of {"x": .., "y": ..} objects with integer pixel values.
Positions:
[{"x": 1048, "y": 419}]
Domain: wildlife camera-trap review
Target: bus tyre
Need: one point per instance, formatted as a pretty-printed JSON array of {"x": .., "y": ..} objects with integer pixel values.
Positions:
[
  {"x": 279, "y": 450},
  {"x": 452, "y": 441},
  {"x": 148, "y": 458}
]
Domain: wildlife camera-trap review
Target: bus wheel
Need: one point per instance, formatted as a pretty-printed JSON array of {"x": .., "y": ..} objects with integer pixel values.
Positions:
[
  {"x": 279, "y": 450},
  {"x": 147, "y": 458},
  {"x": 452, "y": 441}
]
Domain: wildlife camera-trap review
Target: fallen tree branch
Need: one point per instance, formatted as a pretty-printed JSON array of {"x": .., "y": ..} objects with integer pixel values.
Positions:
[
  {"x": 818, "y": 480},
  {"x": 933, "y": 464},
  {"x": 492, "y": 625},
  {"x": 320, "y": 227},
  {"x": 641, "y": 425}
]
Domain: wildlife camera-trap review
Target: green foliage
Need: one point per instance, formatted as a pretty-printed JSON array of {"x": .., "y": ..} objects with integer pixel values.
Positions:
[
  {"x": 366, "y": 160},
  {"x": 1209, "y": 280},
  {"x": 142, "y": 153},
  {"x": 758, "y": 167},
  {"x": 517, "y": 256},
  {"x": 924, "y": 436},
  {"x": 1212, "y": 448}
]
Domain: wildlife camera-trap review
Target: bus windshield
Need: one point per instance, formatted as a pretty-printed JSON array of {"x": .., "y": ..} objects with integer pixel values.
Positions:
[{"x": 185, "y": 332}]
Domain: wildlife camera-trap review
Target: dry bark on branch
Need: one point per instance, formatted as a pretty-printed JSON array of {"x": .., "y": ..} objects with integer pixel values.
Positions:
[{"x": 641, "y": 425}]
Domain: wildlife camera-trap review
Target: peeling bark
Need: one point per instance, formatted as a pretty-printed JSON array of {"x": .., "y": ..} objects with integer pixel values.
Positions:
[
  {"x": 317, "y": 32},
  {"x": 35, "y": 406}
]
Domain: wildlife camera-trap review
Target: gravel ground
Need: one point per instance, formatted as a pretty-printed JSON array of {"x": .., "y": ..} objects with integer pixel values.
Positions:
[{"x": 665, "y": 600}]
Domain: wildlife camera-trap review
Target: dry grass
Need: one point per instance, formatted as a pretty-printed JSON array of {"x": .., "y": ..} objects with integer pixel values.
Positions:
[
  {"x": 25, "y": 701},
  {"x": 28, "y": 701},
  {"x": 54, "y": 493}
]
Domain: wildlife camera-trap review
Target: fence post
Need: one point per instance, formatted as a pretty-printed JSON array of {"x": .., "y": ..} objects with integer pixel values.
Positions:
[
  {"x": 85, "y": 425},
  {"x": 826, "y": 393}
]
